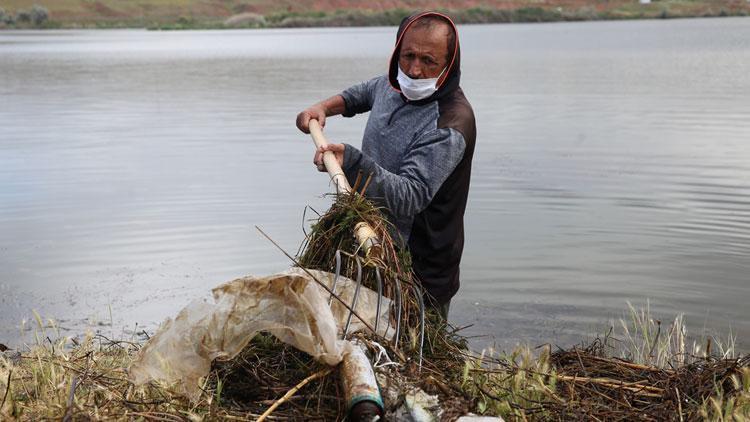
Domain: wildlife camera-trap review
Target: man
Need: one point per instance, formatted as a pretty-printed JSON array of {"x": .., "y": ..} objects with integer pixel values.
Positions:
[{"x": 418, "y": 145}]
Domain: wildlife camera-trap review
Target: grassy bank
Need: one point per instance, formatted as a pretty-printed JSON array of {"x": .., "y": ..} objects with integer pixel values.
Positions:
[
  {"x": 642, "y": 369},
  {"x": 192, "y": 14}
]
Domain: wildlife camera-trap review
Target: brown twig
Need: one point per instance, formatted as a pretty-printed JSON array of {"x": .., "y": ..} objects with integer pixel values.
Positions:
[
  {"x": 634, "y": 387},
  {"x": 367, "y": 184},
  {"x": 623, "y": 363},
  {"x": 357, "y": 181},
  {"x": 292, "y": 391}
]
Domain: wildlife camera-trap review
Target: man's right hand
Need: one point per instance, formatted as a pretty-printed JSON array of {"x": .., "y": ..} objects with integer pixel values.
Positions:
[{"x": 316, "y": 112}]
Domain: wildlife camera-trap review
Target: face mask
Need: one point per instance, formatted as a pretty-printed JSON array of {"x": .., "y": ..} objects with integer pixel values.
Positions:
[{"x": 417, "y": 89}]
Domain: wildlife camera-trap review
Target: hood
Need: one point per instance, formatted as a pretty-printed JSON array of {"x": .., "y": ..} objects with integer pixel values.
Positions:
[{"x": 450, "y": 79}]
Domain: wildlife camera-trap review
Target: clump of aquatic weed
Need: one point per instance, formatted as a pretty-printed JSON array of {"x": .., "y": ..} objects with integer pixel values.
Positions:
[
  {"x": 386, "y": 268},
  {"x": 426, "y": 351}
]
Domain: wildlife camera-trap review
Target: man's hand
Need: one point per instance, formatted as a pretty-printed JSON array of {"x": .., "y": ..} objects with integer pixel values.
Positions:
[
  {"x": 338, "y": 151},
  {"x": 329, "y": 107},
  {"x": 317, "y": 112}
]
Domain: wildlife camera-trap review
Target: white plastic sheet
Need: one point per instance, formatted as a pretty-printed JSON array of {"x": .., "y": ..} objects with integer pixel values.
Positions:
[{"x": 290, "y": 306}]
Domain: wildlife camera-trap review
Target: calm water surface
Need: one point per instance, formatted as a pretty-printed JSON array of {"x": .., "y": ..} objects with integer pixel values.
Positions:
[{"x": 612, "y": 165}]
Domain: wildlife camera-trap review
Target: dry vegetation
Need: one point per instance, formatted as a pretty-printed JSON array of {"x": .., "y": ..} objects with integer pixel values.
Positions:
[{"x": 86, "y": 379}]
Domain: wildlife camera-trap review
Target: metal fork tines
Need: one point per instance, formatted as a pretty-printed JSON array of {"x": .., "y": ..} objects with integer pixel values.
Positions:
[
  {"x": 336, "y": 276},
  {"x": 356, "y": 295}
]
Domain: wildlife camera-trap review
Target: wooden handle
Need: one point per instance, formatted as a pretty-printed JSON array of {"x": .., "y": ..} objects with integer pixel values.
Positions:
[{"x": 329, "y": 159}]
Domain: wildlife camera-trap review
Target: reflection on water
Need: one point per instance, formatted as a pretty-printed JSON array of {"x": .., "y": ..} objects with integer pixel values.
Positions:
[{"x": 612, "y": 164}]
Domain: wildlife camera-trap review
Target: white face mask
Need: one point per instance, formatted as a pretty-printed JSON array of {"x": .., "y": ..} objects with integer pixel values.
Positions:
[{"x": 417, "y": 89}]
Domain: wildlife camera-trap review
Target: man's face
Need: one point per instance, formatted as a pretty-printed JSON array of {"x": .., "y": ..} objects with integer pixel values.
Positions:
[{"x": 424, "y": 51}]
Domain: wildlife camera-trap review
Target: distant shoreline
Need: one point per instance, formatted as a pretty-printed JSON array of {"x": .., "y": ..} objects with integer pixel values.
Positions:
[{"x": 671, "y": 9}]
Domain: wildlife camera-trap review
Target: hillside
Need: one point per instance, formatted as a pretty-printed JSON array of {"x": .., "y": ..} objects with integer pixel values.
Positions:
[{"x": 261, "y": 13}]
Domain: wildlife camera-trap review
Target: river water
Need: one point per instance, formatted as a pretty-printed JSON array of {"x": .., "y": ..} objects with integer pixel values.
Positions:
[{"x": 612, "y": 165}]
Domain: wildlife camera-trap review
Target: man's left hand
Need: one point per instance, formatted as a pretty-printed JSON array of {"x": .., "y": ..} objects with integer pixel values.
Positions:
[{"x": 338, "y": 151}]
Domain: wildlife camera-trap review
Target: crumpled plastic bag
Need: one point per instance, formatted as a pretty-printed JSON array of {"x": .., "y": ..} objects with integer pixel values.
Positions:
[{"x": 290, "y": 305}]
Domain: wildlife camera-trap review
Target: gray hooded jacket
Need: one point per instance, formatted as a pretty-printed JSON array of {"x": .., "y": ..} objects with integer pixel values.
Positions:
[{"x": 419, "y": 155}]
